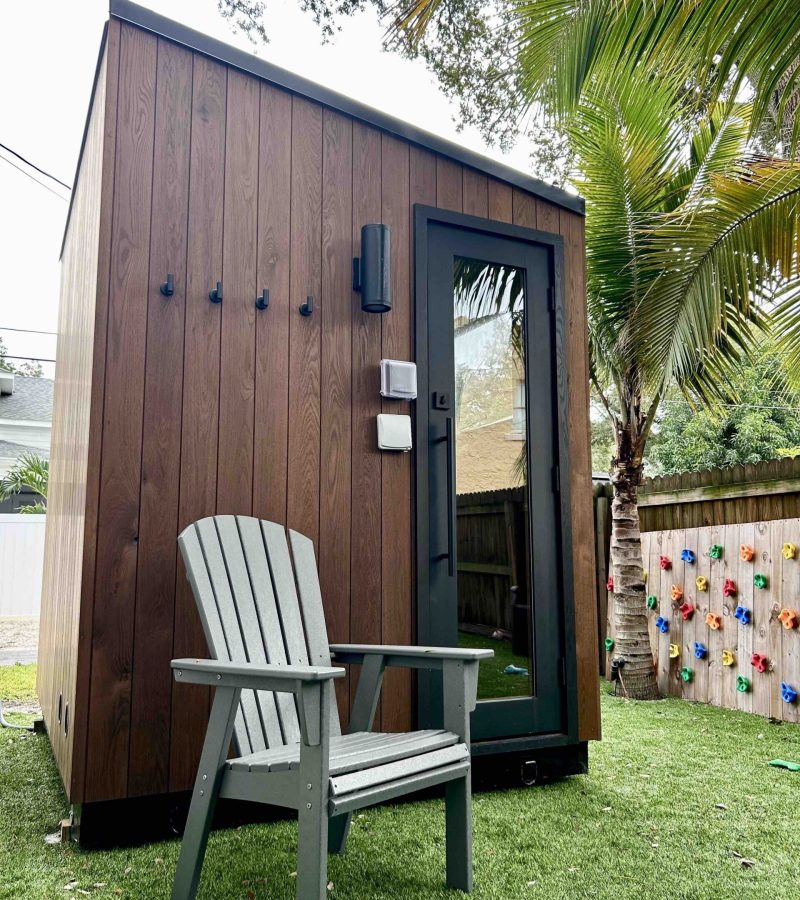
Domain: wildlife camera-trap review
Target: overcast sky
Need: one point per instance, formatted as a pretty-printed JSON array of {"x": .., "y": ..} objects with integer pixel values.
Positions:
[{"x": 47, "y": 64}]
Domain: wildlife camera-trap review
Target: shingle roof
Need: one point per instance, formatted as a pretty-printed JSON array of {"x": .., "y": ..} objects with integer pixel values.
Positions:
[
  {"x": 32, "y": 400},
  {"x": 10, "y": 450}
]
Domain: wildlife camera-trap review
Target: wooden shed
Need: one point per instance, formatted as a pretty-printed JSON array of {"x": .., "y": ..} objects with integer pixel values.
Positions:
[{"x": 206, "y": 168}]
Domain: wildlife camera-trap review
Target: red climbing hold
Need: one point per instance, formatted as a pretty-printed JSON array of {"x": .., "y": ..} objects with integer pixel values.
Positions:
[
  {"x": 729, "y": 588},
  {"x": 610, "y": 583},
  {"x": 665, "y": 562},
  {"x": 759, "y": 662},
  {"x": 686, "y": 610}
]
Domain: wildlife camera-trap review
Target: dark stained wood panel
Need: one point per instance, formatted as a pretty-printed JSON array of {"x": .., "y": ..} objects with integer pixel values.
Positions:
[
  {"x": 272, "y": 324},
  {"x": 449, "y": 184},
  {"x": 500, "y": 198},
  {"x": 547, "y": 216},
  {"x": 302, "y": 512},
  {"x": 365, "y": 529},
  {"x": 336, "y": 310},
  {"x": 572, "y": 228},
  {"x": 475, "y": 189},
  {"x": 118, "y": 520},
  {"x": 237, "y": 341},
  {"x": 200, "y": 412},
  {"x": 524, "y": 209},
  {"x": 161, "y": 436},
  {"x": 396, "y": 474}
]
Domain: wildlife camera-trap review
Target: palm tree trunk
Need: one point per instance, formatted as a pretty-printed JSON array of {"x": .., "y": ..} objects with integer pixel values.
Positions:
[{"x": 632, "y": 641}]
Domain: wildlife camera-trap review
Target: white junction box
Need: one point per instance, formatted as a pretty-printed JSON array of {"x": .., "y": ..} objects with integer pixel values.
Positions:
[
  {"x": 398, "y": 379},
  {"x": 394, "y": 432}
]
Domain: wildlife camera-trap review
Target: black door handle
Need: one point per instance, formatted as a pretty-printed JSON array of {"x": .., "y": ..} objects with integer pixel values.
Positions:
[{"x": 449, "y": 440}]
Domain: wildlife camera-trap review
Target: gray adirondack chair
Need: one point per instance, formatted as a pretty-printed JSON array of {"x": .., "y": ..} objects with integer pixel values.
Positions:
[{"x": 260, "y": 604}]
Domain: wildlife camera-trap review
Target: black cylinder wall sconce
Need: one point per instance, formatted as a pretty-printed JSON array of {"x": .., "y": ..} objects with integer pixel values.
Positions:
[
  {"x": 262, "y": 301},
  {"x": 215, "y": 296},
  {"x": 372, "y": 273}
]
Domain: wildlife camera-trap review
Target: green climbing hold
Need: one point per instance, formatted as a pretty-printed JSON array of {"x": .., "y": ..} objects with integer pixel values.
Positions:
[
  {"x": 715, "y": 551},
  {"x": 742, "y": 684},
  {"x": 652, "y": 602},
  {"x": 609, "y": 645},
  {"x": 760, "y": 581},
  {"x": 686, "y": 673}
]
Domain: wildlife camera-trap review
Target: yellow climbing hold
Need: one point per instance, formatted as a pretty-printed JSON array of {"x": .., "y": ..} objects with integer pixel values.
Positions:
[
  {"x": 789, "y": 551},
  {"x": 644, "y": 575},
  {"x": 702, "y": 583},
  {"x": 674, "y": 651},
  {"x": 728, "y": 659}
]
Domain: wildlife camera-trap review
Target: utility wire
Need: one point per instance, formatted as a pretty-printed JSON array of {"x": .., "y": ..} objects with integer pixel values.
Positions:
[
  {"x": 34, "y": 166},
  {"x": 36, "y": 180},
  {"x": 29, "y": 358},
  {"x": 25, "y": 330}
]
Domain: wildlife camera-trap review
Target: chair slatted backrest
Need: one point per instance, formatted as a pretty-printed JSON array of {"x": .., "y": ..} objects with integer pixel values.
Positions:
[{"x": 259, "y": 601}]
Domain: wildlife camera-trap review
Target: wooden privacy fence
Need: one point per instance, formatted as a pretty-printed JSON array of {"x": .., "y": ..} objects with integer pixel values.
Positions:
[
  {"x": 706, "y": 678},
  {"x": 491, "y": 556}
]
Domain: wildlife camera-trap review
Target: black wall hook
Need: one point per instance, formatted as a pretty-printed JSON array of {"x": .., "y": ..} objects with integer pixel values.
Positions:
[
  {"x": 262, "y": 302},
  {"x": 168, "y": 287},
  {"x": 215, "y": 296},
  {"x": 308, "y": 307}
]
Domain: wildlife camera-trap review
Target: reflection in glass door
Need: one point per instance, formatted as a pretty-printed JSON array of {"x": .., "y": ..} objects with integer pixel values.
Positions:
[
  {"x": 492, "y": 576},
  {"x": 492, "y": 472}
]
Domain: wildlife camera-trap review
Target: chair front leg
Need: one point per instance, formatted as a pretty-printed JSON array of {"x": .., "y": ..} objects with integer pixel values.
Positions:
[
  {"x": 460, "y": 687},
  {"x": 312, "y": 830},
  {"x": 361, "y": 718},
  {"x": 206, "y": 791}
]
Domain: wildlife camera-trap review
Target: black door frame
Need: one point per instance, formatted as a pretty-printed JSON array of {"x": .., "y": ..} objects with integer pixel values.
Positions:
[{"x": 424, "y": 216}]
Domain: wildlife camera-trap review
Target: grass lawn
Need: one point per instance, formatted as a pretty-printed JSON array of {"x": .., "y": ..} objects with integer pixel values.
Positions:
[
  {"x": 492, "y": 680},
  {"x": 675, "y": 791}
]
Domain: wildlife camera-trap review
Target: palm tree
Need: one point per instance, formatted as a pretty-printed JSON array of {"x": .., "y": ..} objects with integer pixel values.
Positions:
[
  {"x": 32, "y": 471},
  {"x": 688, "y": 225}
]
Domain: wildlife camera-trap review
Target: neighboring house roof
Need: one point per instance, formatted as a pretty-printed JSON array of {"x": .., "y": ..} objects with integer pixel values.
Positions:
[
  {"x": 10, "y": 450},
  {"x": 32, "y": 400}
]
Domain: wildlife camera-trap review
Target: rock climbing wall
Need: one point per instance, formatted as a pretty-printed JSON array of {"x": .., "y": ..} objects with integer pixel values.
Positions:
[{"x": 723, "y": 611}]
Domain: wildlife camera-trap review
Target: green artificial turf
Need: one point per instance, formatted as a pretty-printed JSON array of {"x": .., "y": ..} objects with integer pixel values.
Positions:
[
  {"x": 492, "y": 680},
  {"x": 18, "y": 682},
  {"x": 676, "y": 796}
]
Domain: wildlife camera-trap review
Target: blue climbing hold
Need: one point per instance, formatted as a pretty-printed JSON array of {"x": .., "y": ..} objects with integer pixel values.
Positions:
[
  {"x": 700, "y": 650},
  {"x": 662, "y": 624},
  {"x": 744, "y": 615},
  {"x": 788, "y": 693},
  {"x": 688, "y": 555},
  {"x": 514, "y": 670}
]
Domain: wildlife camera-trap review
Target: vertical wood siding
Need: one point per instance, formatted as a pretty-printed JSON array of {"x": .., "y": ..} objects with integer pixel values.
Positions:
[{"x": 200, "y": 408}]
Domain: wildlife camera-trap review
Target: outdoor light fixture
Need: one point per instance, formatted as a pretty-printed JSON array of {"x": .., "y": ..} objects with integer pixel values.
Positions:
[{"x": 372, "y": 273}]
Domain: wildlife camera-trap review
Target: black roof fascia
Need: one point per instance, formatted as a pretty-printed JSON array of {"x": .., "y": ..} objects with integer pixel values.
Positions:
[{"x": 137, "y": 15}]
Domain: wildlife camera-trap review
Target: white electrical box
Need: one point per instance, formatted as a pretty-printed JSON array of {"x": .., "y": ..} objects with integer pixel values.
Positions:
[
  {"x": 398, "y": 379},
  {"x": 394, "y": 432}
]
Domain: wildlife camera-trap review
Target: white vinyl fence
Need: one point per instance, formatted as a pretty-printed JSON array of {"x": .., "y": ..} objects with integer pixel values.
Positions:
[{"x": 21, "y": 559}]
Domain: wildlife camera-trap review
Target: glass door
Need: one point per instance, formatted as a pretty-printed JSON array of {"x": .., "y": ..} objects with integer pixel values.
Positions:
[{"x": 493, "y": 567}]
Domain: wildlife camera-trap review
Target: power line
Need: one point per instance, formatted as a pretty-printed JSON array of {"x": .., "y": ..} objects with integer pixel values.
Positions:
[
  {"x": 36, "y": 180},
  {"x": 29, "y": 358},
  {"x": 25, "y": 330},
  {"x": 34, "y": 166}
]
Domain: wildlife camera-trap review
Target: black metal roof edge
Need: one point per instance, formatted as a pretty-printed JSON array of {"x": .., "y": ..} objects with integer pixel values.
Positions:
[
  {"x": 126, "y": 11},
  {"x": 74, "y": 190}
]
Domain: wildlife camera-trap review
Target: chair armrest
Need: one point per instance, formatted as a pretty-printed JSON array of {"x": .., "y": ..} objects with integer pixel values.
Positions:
[
  {"x": 410, "y": 657},
  {"x": 258, "y": 677}
]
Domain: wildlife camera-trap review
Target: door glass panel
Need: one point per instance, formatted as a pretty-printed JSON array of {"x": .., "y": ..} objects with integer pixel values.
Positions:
[{"x": 492, "y": 545}]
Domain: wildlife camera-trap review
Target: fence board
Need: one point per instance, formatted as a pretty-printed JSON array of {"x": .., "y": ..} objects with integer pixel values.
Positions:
[{"x": 21, "y": 558}]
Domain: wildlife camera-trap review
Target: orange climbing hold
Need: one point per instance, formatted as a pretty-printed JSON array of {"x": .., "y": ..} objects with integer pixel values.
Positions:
[
  {"x": 677, "y": 592},
  {"x": 789, "y": 618},
  {"x": 714, "y": 621},
  {"x": 746, "y": 552}
]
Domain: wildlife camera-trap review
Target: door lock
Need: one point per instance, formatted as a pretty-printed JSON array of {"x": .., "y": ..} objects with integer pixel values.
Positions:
[{"x": 441, "y": 400}]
